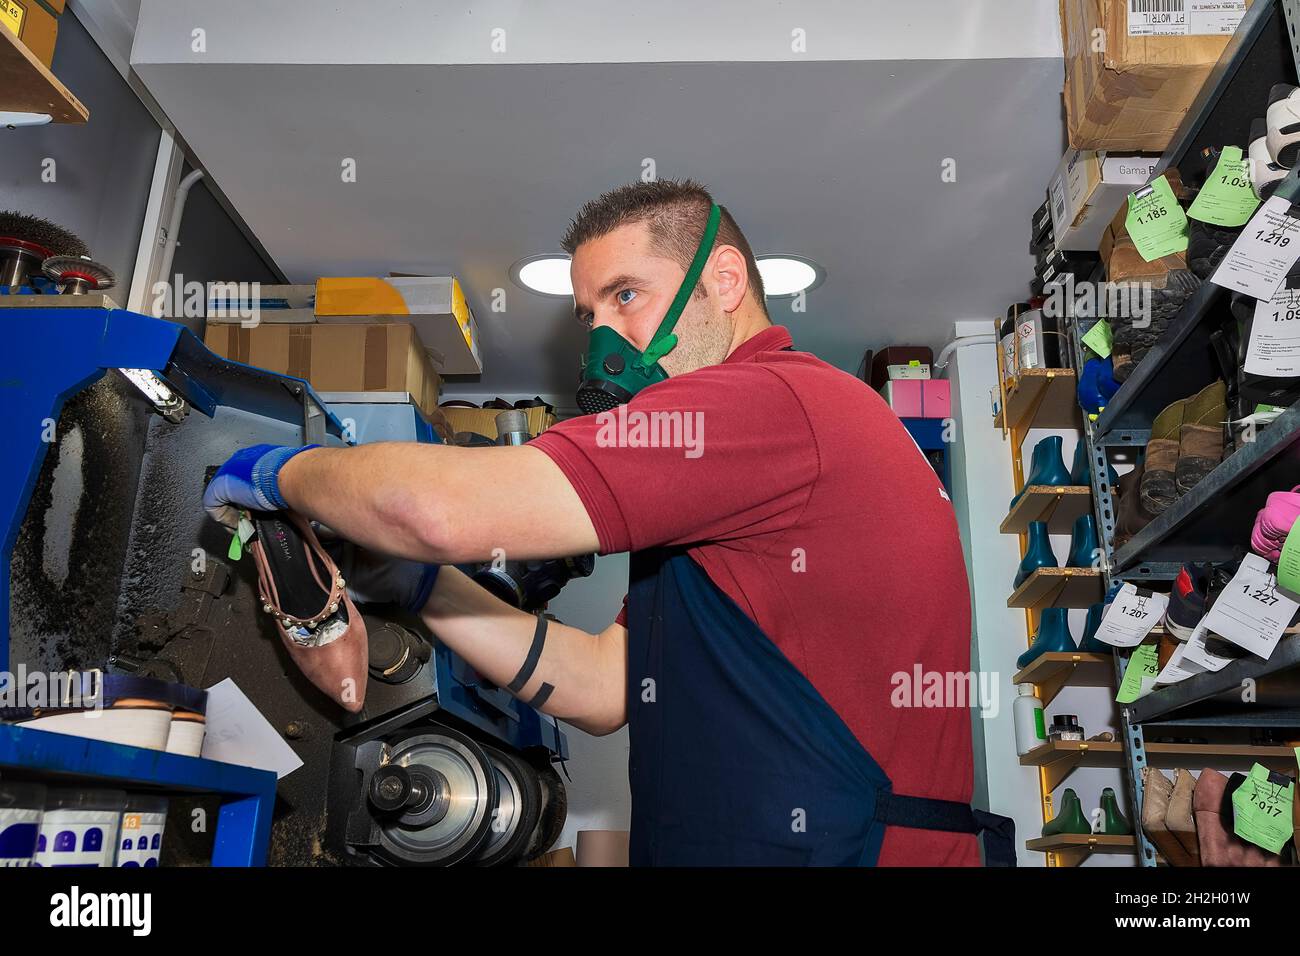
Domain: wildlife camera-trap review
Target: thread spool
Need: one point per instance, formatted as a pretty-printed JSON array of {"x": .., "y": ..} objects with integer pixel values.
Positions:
[
  {"x": 21, "y": 807},
  {"x": 80, "y": 828}
]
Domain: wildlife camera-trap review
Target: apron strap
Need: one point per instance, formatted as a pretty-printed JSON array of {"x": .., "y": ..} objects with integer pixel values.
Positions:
[{"x": 997, "y": 833}]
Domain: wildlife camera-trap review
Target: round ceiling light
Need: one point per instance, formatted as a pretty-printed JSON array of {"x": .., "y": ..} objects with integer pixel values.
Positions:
[
  {"x": 545, "y": 274},
  {"x": 789, "y": 275}
]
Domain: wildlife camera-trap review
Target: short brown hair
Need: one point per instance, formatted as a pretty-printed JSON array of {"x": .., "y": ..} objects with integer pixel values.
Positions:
[{"x": 676, "y": 212}]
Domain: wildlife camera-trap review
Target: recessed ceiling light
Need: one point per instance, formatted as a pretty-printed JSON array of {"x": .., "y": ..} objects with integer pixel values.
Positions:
[
  {"x": 545, "y": 274},
  {"x": 789, "y": 275}
]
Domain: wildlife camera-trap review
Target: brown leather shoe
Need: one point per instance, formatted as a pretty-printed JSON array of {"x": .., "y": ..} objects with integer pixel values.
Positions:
[
  {"x": 1179, "y": 819},
  {"x": 1158, "y": 489},
  {"x": 301, "y": 587},
  {"x": 1156, "y": 791},
  {"x": 1200, "y": 449}
]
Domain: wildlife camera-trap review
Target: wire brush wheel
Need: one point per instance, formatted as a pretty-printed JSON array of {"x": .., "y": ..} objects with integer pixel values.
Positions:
[{"x": 52, "y": 239}]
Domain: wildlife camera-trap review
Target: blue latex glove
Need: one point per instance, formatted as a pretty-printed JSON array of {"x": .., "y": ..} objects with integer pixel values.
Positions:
[
  {"x": 375, "y": 579},
  {"x": 249, "y": 480}
]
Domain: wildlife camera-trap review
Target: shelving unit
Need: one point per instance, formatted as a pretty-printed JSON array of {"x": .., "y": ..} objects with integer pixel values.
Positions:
[
  {"x": 28, "y": 86},
  {"x": 1040, "y": 398},
  {"x": 1055, "y": 669},
  {"x": 243, "y": 827},
  {"x": 1213, "y": 521},
  {"x": 1058, "y": 505},
  {"x": 1058, "y": 587},
  {"x": 1073, "y": 848}
]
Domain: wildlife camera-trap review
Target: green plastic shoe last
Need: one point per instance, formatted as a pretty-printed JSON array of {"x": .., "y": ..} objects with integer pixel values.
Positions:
[
  {"x": 1069, "y": 817},
  {"x": 1113, "y": 822}
]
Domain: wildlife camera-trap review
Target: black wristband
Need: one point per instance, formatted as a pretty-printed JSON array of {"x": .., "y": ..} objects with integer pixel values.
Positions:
[{"x": 530, "y": 662}]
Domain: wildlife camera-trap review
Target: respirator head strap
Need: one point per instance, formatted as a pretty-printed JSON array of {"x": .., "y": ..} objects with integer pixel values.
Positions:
[{"x": 664, "y": 341}]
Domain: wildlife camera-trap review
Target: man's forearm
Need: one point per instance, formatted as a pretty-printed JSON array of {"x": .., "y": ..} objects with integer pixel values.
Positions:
[
  {"x": 587, "y": 672},
  {"x": 441, "y": 504}
]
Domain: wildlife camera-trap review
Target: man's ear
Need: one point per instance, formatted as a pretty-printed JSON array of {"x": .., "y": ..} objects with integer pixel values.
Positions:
[{"x": 731, "y": 278}]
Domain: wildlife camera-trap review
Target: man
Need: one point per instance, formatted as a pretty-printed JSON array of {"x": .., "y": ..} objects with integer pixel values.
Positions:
[{"x": 787, "y": 564}]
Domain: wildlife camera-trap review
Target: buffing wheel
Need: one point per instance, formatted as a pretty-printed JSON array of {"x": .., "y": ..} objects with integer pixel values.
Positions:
[{"x": 79, "y": 273}]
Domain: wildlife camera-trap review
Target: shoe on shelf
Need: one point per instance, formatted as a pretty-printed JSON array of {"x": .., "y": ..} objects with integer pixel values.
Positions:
[
  {"x": 1273, "y": 523},
  {"x": 302, "y": 589},
  {"x": 1219, "y": 844},
  {"x": 1113, "y": 822},
  {"x": 1207, "y": 244},
  {"x": 1283, "y": 122},
  {"x": 1131, "y": 516},
  {"x": 1039, "y": 554},
  {"x": 1088, "y": 644},
  {"x": 1200, "y": 450},
  {"x": 1157, "y": 789},
  {"x": 1069, "y": 817},
  {"x": 1047, "y": 466},
  {"x": 1159, "y": 486},
  {"x": 1180, "y": 820},
  {"x": 1084, "y": 547},
  {"x": 1053, "y": 637},
  {"x": 1187, "y": 600},
  {"x": 1264, "y": 173}
]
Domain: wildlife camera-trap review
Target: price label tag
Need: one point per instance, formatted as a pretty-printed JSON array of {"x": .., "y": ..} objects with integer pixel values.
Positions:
[
  {"x": 1262, "y": 808},
  {"x": 1140, "y": 674},
  {"x": 1274, "y": 346},
  {"x": 1155, "y": 221},
  {"x": 1131, "y": 616},
  {"x": 1264, "y": 252},
  {"x": 1227, "y": 198},
  {"x": 1198, "y": 652},
  {"x": 1099, "y": 338},
  {"x": 1251, "y": 612},
  {"x": 1176, "y": 669}
]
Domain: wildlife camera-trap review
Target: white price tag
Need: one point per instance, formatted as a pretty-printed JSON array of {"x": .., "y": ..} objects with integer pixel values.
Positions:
[
  {"x": 1265, "y": 251},
  {"x": 1156, "y": 18},
  {"x": 1178, "y": 669},
  {"x": 1197, "y": 653},
  {"x": 1251, "y": 612},
  {"x": 1131, "y": 616},
  {"x": 1274, "y": 347}
]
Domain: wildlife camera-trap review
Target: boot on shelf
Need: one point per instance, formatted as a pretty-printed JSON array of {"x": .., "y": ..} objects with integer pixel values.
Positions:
[{"x": 1053, "y": 636}]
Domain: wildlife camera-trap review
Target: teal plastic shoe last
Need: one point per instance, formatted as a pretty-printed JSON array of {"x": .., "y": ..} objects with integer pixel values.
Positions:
[
  {"x": 1047, "y": 466},
  {"x": 1083, "y": 542},
  {"x": 1039, "y": 554},
  {"x": 1081, "y": 470},
  {"x": 1089, "y": 643},
  {"x": 1053, "y": 636}
]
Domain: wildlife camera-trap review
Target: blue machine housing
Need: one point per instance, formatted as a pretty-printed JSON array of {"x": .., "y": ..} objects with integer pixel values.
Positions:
[{"x": 56, "y": 354}]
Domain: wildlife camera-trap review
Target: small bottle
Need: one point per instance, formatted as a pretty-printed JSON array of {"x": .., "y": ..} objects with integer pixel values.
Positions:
[
  {"x": 1027, "y": 713},
  {"x": 1065, "y": 727}
]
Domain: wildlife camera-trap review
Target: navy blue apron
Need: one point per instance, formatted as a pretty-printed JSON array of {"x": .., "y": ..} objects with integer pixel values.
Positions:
[{"x": 736, "y": 759}]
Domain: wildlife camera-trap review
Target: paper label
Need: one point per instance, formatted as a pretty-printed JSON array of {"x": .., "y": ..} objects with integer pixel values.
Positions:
[
  {"x": 1274, "y": 347},
  {"x": 1176, "y": 669},
  {"x": 1262, "y": 809},
  {"x": 1197, "y": 652},
  {"x": 11, "y": 15},
  {"x": 18, "y": 829},
  {"x": 1251, "y": 612},
  {"x": 1227, "y": 198},
  {"x": 1139, "y": 674},
  {"x": 1099, "y": 338},
  {"x": 1131, "y": 616},
  {"x": 1181, "y": 18},
  {"x": 1155, "y": 221},
  {"x": 1265, "y": 251},
  {"x": 141, "y": 840},
  {"x": 78, "y": 838}
]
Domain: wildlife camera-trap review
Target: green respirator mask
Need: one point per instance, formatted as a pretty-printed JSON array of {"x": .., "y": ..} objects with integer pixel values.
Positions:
[{"x": 614, "y": 369}]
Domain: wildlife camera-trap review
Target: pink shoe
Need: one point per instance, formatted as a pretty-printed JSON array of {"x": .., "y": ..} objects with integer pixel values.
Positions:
[
  {"x": 1273, "y": 523},
  {"x": 302, "y": 589}
]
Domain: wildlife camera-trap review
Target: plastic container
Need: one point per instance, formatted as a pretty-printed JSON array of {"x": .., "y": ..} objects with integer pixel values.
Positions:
[
  {"x": 21, "y": 808},
  {"x": 140, "y": 841},
  {"x": 1065, "y": 727},
  {"x": 80, "y": 827},
  {"x": 1027, "y": 714}
]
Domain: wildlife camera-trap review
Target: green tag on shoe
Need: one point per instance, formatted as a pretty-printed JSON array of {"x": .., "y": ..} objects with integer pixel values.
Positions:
[
  {"x": 1099, "y": 339},
  {"x": 1227, "y": 198},
  {"x": 239, "y": 538},
  {"x": 1140, "y": 674},
  {"x": 1262, "y": 809},
  {"x": 1288, "y": 563},
  {"x": 1155, "y": 221}
]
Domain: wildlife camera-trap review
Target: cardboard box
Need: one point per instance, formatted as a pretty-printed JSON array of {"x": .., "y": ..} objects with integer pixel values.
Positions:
[
  {"x": 1087, "y": 189},
  {"x": 364, "y": 357},
  {"x": 435, "y": 305},
  {"x": 1127, "y": 87},
  {"x": 919, "y": 399},
  {"x": 895, "y": 355},
  {"x": 484, "y": 420},
  {"x": 35, "y": 23}
]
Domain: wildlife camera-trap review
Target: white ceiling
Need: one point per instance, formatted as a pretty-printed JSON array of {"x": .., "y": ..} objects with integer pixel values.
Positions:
[{"x": 467, "y": 163}]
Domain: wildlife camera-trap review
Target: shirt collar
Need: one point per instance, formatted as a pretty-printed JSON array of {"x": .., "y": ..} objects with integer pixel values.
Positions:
[{"x": 771, "y": 339}]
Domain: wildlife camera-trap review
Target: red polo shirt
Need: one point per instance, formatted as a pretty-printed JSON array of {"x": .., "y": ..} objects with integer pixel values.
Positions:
[{"x": 804, "y": 499}]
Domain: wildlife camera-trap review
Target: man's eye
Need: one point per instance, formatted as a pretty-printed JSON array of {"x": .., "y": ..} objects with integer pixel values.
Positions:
[{"x": 626, "y": 296}]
